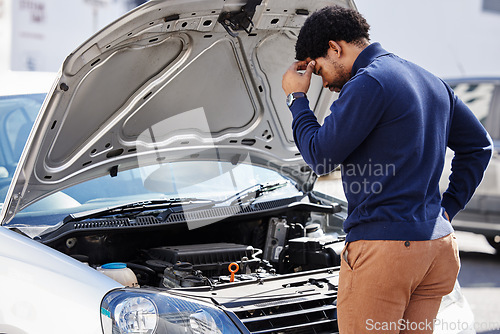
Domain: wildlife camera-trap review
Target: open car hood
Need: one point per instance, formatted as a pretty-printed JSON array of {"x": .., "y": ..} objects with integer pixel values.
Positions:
[{"x": 171, "y": 80}]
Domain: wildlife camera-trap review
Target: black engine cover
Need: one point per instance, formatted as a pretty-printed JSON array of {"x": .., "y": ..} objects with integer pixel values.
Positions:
[{"x": 209, "y": 258}]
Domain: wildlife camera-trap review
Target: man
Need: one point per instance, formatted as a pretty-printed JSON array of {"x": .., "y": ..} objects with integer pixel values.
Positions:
[{"x": 389, "y": 128}]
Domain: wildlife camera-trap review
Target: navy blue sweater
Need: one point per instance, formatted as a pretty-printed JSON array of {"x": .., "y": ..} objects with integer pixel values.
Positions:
[{"x": 389, "y": 129}]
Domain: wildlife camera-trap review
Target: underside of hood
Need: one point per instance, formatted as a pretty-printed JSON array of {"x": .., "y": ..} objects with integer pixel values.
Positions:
[{"x": 169, "y": 81}]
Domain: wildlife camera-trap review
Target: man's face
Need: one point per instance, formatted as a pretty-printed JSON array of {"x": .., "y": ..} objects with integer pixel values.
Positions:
[{"x": 332, "y": 71}]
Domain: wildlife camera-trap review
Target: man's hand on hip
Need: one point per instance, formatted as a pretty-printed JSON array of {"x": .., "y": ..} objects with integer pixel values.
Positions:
[{"x": 293, "y": 81}]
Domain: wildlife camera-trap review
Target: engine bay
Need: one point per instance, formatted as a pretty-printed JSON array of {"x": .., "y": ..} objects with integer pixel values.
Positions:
[{"x": 163, "y": 252}]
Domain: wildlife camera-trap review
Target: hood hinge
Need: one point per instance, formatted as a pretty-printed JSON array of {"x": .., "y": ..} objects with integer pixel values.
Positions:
[{"x": 241, "y": 20}]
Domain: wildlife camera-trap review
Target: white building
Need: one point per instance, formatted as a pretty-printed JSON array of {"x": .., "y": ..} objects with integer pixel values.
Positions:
[
  {"x": 450, "y": 38},
  {"x": 36, "y": 35}
]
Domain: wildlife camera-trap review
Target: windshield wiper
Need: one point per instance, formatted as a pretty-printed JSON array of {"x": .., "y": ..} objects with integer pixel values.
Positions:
[
  {"x": 133, "y": 207},
  {"x": 250, "y": 194}
]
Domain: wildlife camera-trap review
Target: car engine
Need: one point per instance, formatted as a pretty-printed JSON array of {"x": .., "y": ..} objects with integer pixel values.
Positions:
[
  {"x": 281, "y": 256},
  {"x": 166, "y": 253}
]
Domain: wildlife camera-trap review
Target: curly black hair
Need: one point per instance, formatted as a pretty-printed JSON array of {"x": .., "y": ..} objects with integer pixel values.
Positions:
[{"x": 333, "y": 23}]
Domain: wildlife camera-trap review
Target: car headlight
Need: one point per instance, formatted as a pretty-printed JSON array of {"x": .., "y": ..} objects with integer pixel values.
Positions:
[{"x": 155, "y": 312}]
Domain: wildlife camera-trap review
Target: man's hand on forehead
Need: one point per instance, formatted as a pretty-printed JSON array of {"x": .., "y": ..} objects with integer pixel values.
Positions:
[
  {"x": 295, "y": 81},
  {"x": 301, "y": 65}
]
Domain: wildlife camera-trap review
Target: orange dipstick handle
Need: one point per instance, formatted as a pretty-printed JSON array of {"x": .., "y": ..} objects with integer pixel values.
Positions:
[{"x": 233, "y": 268}]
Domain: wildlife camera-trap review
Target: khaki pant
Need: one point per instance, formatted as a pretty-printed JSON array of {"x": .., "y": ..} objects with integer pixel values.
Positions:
[{"x": 391, "y": 286}]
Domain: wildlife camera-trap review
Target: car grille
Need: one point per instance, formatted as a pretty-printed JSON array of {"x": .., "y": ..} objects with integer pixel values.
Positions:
[{"x": 314, "y": 314}]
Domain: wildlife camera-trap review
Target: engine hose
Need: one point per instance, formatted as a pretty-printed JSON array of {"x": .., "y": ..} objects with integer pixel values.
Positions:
[{"x": 281, "y": 259}]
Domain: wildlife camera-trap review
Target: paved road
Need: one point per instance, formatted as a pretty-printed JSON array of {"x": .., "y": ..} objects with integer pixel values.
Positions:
[{"x": 480, "y": 280}]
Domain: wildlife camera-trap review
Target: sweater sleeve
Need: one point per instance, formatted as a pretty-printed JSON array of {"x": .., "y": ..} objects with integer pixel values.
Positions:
[
  {"x": 353, "y": 116},
  {"x": 473, "y": 149}
]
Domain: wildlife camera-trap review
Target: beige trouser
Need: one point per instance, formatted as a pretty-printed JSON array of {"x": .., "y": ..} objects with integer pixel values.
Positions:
[{"x": 391, "y": 286}]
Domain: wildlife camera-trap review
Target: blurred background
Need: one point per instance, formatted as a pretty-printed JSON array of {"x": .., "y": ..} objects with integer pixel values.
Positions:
[
  {"x": 37, "y": 35},
  {"x": 450, "y": 38}
]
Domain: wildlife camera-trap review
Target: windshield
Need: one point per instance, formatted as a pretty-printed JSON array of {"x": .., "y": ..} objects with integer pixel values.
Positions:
[
  {"x": 17, "y": 115},
  {"x": 213, "y": 180}
]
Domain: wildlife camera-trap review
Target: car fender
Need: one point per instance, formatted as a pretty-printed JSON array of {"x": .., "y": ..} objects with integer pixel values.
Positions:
[{"x": 57, "y": 293}]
